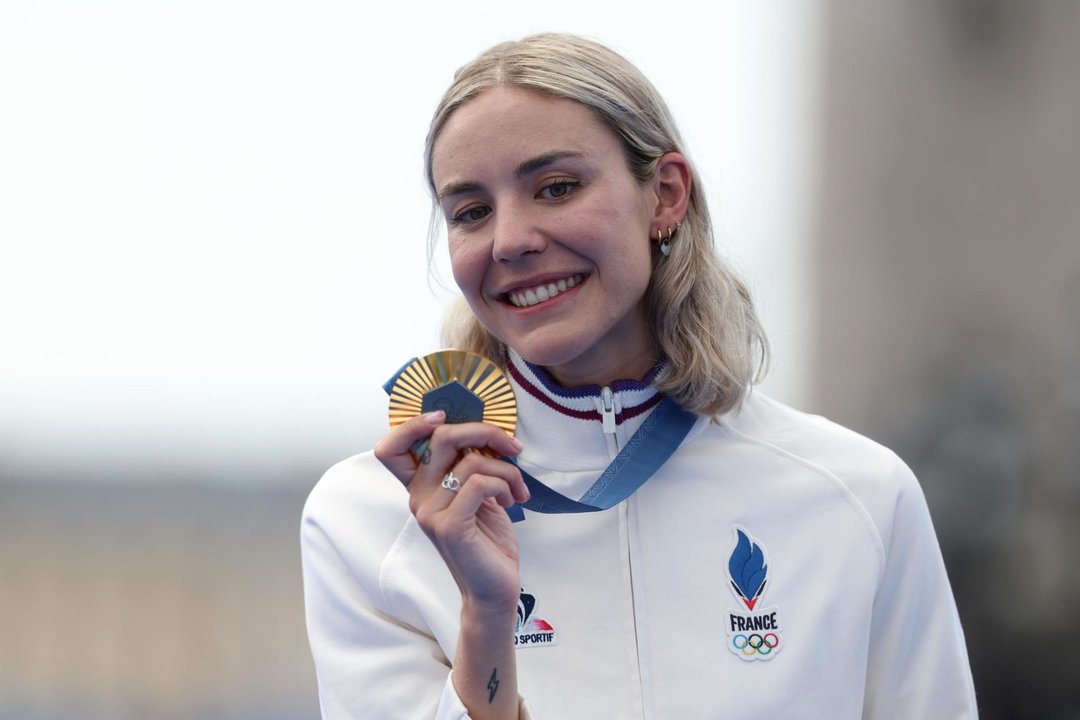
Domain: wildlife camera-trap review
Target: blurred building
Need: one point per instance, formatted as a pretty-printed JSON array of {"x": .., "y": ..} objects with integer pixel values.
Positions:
[
  {"x": 169, "y": 600},
  {"x": 948, "y": 274}
]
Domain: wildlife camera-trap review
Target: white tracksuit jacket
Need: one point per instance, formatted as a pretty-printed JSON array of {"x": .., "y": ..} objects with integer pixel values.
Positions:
[{"x": 635, "y": 612}]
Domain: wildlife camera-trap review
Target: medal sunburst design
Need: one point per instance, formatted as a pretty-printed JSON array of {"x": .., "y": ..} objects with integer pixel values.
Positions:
[{"x": 476, "y": 373}]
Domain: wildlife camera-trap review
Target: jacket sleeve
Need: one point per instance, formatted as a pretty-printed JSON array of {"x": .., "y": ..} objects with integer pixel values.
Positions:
[
  {"x": 918, "y": 664},
  {"x": 368, "y": 662}
]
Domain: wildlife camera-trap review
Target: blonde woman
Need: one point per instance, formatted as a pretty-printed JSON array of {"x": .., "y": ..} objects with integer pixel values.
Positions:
[{"x": 656, "y": 541}]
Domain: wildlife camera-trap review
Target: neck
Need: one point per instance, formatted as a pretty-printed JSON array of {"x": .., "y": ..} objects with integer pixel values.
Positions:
[
  {"x": 605, "y": 368},
  {"x": 625, "y": 371}
]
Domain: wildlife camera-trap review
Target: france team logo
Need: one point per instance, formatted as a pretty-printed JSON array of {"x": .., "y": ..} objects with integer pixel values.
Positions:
[{"x": 753, "y": 634}]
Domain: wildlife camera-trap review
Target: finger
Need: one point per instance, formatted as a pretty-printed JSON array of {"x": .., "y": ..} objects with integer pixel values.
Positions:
[
  {"x": 394, "y": 449},
  {"x": 452, "y": 439},
  {"x": 444, "y": 510},
  {"x": 431, "y": 496},
  {"x": 472, "y": 494},
  {"x": 474, "y": 463},
  {"x": 447, "y": 448}
]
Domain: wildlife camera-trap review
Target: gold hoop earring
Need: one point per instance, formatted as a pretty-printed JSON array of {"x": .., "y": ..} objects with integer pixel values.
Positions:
[{"x": 664, "y": 242}]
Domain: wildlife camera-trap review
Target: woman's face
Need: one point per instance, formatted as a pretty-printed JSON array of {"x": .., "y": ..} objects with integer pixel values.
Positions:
[{"x": 548, "y": 233}]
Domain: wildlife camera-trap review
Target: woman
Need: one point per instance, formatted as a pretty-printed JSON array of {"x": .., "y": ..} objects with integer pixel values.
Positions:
[{"x": 752, "y": 560}]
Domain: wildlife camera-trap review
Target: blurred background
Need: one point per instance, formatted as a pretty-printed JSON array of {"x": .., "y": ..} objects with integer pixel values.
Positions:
[{"x": 212, "y": 254}]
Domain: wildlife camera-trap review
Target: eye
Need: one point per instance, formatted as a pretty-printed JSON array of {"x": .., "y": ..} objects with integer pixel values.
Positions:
[
  {"x": 558, "y": 189},
  {"x": 473, "y": 214}
]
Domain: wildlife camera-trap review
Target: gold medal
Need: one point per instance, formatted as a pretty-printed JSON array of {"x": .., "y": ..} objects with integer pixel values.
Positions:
[{"x": 467, "y": 386}]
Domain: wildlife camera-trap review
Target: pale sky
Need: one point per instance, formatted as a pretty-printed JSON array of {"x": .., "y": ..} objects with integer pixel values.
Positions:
[{"x": 213, "y": 217}]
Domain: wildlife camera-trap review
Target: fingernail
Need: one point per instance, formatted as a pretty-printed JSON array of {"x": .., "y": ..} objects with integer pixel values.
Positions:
[
  {"x": 518, "y": 445},
  {"x": 436, "y": 417}
]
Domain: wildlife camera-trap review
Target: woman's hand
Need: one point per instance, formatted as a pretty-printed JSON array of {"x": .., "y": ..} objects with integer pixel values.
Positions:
[
  {"x": 469, "y": 527},
  {"x": 475, "y": 537}
]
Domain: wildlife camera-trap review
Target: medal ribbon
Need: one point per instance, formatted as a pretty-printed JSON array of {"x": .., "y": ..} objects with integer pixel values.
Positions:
[
  {"x": 649, "y": 448},
  {"x": 654, "y": 442}
]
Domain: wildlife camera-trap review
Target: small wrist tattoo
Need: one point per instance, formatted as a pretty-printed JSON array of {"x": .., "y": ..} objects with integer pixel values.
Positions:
[{"x": 492, "y": 686}]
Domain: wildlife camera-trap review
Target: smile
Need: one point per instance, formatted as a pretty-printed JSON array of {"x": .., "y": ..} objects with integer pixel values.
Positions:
[{"x": 541, "y": 293}]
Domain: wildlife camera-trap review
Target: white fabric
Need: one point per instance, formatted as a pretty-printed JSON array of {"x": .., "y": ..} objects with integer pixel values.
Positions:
[{"x": 637, "y": 594}]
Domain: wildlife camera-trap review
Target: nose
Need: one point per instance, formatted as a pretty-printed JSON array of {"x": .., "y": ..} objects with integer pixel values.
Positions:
[{"x": 516, "y": 234}]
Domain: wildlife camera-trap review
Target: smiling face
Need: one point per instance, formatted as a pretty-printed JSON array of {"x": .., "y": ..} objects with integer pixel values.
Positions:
[{"x": 548, "y": 233}]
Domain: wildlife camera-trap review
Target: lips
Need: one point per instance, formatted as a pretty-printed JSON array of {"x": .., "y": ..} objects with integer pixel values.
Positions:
[{"x": 527, "y": 297}]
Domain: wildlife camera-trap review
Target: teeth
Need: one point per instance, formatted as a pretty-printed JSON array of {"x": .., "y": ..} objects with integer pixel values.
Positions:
[{"x": 540, "y": 293}]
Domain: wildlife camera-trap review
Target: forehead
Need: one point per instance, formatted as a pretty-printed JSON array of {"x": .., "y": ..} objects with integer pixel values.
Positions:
[{"x": 511, "y": 124}]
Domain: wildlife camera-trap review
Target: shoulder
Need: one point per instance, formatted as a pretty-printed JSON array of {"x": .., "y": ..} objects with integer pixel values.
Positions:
[
  {"x": 811, "y": 439},
  {"x": 357, "y": 484},
  {"x": 869, "y": 475},
  {"x": 355, "y": 512}
]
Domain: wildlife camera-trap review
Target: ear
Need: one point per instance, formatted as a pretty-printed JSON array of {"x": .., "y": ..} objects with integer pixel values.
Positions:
[{"x": 671, "y": 185}]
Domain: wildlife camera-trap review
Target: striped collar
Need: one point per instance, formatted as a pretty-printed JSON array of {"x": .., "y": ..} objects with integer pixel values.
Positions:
[
  {"x": 635, "y": 397},
  {"x": 566, "y": 445}
]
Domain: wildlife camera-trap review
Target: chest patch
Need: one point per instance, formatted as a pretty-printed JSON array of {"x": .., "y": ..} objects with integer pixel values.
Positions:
[
  {"x": 531, "y": 630},
  {"x": 753, "y": 631}
]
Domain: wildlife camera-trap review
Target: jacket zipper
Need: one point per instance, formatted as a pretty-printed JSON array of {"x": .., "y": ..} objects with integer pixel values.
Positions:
[
  {"x": 607, "y": 409},
  {"x": 607, "y": 416}
]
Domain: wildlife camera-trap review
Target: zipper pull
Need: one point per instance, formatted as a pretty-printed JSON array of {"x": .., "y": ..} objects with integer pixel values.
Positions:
[{"x": 608, "y": 410}]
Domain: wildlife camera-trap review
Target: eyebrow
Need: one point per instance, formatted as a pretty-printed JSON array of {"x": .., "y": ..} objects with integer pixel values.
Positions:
[
  {"x": 526, "y": 168},
  {"x": 542, "y": 161}
]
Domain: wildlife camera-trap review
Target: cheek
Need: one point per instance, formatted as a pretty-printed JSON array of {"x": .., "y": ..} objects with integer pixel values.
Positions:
[
  {"x": 468, "y": 264},
  {"x": 636, "y": 269},
  {"x": 641, "y": 271}
]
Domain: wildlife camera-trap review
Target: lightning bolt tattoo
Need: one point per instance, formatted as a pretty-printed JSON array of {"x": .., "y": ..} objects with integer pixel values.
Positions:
[{"x": 492, "y": 686}]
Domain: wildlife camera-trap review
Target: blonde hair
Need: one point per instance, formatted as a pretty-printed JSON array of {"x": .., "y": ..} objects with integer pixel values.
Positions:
[{"x": 700, "y": 313}]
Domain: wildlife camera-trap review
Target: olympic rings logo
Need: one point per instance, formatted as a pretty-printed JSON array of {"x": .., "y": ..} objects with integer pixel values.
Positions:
[{"x": 756, "y": 644}]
